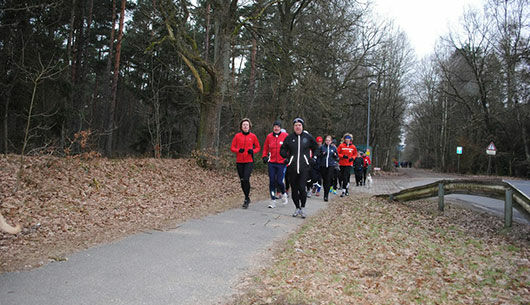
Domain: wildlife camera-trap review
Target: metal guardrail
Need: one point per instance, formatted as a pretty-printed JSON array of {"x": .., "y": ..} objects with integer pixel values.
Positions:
[{"x": 497, "y": 189}]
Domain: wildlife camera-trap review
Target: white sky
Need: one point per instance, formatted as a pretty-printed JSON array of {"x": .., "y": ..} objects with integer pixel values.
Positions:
[{"x": 424, "y": 21}]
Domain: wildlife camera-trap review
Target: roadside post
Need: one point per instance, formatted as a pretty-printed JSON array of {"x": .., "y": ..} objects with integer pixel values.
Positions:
[
  {"x": 458, "y": 153},
  {"x": 490, "y": 151},
  {"x": 508, "y": 211},
  {"x": 441, "y": 194}
]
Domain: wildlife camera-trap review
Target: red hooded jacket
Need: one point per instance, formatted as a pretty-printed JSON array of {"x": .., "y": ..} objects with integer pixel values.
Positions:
[
  {"x": 246, "y": 142},
  {"x": 271, "y": 147},
  {"x": 367, "y": 161},
  {"x": 348, "y": 151}
]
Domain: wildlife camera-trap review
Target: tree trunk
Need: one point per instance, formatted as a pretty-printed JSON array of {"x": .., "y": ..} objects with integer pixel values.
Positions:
[
  {"x": 6, "y": 116},
  {"x": 252, "y": 81},
  {"x": 108, "y": 76},
  {"x": 212, "y": 101},
  {"x": 207, "y": 36},
  {"x": 524, "y": 132},
  {"x": 112, "y": 108},
  {"x": 71, "y": 33}
]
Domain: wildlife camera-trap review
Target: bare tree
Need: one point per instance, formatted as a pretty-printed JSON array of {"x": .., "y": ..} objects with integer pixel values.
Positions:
[
  {"x": 212, "y": 79},
  {"x": 36, "y": 75},
  {"x": 112, "y": 108},
  {"x": 510, "y": 18}
]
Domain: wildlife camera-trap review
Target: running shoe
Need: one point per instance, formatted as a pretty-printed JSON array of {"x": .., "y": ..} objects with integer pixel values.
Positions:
[
  {"x": 308, "y": 194},
  {"x": 285, "y": 199},
  {"x": 302, "y": 213},
  {"x": 296, "y": 212},
  {"x": 273, "y": 204},
  {"x": 246, "y": 203}
]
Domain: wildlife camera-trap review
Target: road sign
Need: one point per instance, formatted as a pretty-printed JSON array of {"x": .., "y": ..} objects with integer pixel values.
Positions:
[
  {"x": 491, "y": 150},
  {"x": 459, "y": 150}
]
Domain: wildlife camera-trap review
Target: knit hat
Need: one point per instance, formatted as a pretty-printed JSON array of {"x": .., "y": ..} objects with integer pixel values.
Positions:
[
  {"x": 277, "y": 123},
  {"x": 298, "y": 120},
  {"x": 319, "y": 139}
]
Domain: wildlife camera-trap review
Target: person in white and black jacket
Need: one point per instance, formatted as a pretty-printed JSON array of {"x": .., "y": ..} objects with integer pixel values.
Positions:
[{"x": 297, "y": 149}]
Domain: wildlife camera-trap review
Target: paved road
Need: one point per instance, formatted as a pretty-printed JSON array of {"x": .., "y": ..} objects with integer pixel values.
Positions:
[
  {"x": 412, "y": 177},
  {"x": 521, "y": 185},
  {"x": 196, "y": 263}
]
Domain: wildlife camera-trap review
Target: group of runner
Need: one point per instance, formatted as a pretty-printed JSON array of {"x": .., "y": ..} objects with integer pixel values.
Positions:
[{"x": 305, "y": 163}]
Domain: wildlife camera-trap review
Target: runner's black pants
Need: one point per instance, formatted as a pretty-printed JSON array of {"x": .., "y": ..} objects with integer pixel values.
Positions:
[
  {"x": 345, "y": 172},
  {"x": 327, "y": 174},
  {"x": 298, "y": 182},
  {"x": 244, "y": 170}
]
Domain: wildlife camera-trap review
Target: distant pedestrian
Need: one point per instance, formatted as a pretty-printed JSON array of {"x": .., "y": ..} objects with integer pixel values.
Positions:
[
  {"x": 366, "y": 164},
  {"x": 276, "y": 163},
  {"x": 328, "y": 160},
  {"x": 347, "y": 152},
  {"x": 245, "y": 144},
  {"x": 335, "y": 181},
  {"x": 315, "y": 183},
  {"x": 358, "y": 166},
  {"x": 297, "y": 148}
]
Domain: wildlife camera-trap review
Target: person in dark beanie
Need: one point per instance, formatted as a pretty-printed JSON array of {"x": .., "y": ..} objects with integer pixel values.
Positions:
[
  {"x": 297, "y": 149},
  {"x": 276, "y": 163},
  {"x": 245, "y": 144}
]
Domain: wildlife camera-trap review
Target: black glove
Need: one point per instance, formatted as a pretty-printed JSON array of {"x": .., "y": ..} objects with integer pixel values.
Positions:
[
  {"x": 350, "y": 159},
  {"x": 265, "y": 159},
  {"x": 241, "y": 150},
  {"x": 324, "y": 153},
  {"x": 345, "y": 157},
  {"x": 250, "y": 151}
]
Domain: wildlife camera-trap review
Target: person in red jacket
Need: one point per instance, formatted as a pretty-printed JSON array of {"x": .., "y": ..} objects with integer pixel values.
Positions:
[
  {"x": 367, "y": 162},
  {"x": 276, "y": 163},
  {"x": 245, "y": 144},
  {"x": 347, "y": 152}
]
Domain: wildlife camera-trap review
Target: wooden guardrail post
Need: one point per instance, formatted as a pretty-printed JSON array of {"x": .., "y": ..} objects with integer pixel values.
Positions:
[
  {"x": 514, "y": 197},
  {"x": 440, "y": 197},
  {"x": 508, "y": 211}
]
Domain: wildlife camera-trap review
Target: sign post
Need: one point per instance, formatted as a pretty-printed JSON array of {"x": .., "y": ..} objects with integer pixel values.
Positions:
[
  {"x": 458, "y": 153},
  {"x": 490, "y": 151}
]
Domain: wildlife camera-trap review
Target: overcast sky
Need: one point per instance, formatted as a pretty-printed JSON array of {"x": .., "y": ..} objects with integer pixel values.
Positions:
[{"x": 424, "y": 20}]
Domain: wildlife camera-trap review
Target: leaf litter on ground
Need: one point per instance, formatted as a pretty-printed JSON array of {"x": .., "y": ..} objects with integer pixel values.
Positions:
[
  {"x": 365, "y": 250},
  {"x": 69, "y": 204}
]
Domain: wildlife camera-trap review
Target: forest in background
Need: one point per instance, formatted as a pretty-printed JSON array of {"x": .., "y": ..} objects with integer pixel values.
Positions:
[{"x": 165, "y": 78}]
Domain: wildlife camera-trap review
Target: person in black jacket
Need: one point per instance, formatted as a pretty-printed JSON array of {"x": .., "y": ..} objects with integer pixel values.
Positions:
[
  {"x": 328, "y": 161},
  {"x": 358, "y": 166},
  {"x": 296, "y": 149}
]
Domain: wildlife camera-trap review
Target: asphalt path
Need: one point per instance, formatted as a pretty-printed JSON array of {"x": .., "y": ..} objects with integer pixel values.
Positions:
[
  {"x": 199, "y": 262},
  {"x": 415, "y": 177}
]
